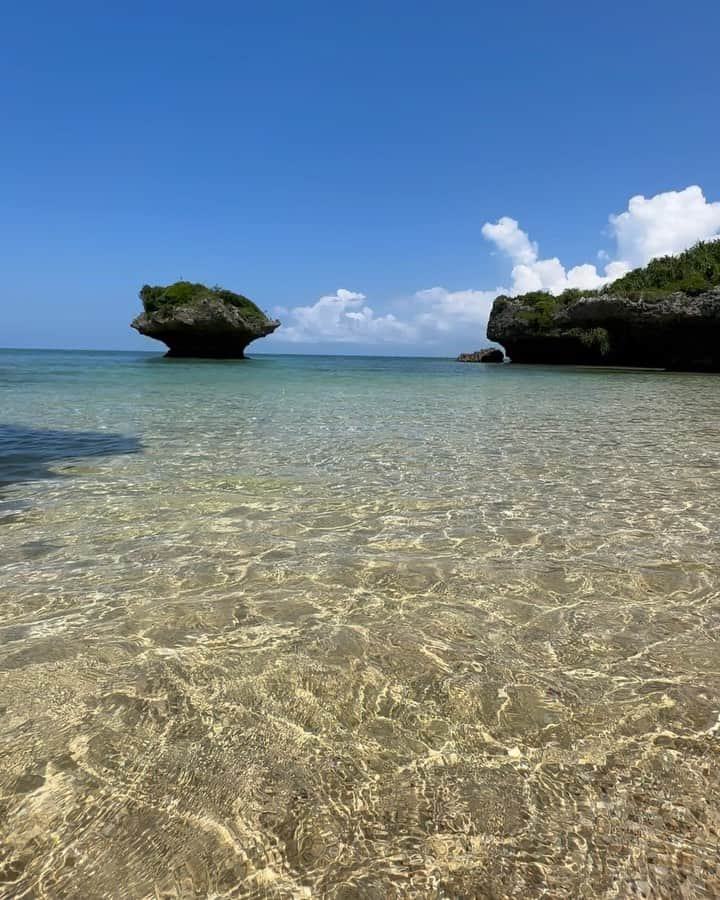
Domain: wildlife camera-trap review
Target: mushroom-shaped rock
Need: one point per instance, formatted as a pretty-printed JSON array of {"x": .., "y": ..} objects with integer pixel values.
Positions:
[{"x": 194, "y": 320}]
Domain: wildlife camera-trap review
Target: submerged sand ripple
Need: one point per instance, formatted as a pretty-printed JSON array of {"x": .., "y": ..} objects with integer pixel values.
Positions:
[{"x": 440, "y": 639}]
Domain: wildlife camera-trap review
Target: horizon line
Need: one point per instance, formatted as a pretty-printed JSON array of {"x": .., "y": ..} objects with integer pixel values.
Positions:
[{"x": 229, "y": 359}]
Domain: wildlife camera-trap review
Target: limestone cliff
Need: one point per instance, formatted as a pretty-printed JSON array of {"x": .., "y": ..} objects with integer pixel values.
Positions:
[{"x": 677, "y": 331}]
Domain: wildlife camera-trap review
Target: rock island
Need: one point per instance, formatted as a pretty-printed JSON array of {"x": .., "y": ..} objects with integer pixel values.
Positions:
[{"x": 195, "y": 320}]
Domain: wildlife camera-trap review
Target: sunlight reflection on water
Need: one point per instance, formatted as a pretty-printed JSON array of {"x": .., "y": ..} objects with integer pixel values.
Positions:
[{"x": 357, "y": 628}]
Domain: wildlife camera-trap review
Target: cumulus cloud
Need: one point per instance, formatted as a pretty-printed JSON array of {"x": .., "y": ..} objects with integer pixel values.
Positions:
[
  {"x": 664, "y": 224},
  {"x": 507, "y": 235},
  {"x": 530, "y": 273},
  {"x": 443, "y": 311},
  {"x": 343, "y": 317},
  {"x": 428, "y": 316}
]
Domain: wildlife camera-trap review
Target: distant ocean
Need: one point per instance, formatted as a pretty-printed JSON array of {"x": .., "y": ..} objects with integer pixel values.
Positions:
[{"x": 356, "y": 627}]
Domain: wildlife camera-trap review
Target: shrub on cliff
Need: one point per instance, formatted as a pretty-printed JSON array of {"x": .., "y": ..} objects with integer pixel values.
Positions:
[
  {"x": 186, "y": 293},
  {"x": 593, "y": 338},
  {"x": 541, "y": 306},
  {"x": 693, "y": 272}
]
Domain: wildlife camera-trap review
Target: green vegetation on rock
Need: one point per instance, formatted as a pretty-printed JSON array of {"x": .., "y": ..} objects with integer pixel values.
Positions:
[
  {"x": 540, "y": 308},
  {"x": 693, "y": 272},
  {"x": 157, "y": 298},
  {"x": 592, "y": 338},
  {"x": 665, "y": 315}
]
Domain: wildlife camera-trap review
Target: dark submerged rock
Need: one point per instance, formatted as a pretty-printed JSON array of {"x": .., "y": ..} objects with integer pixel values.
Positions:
[
  {"x": 195, "y": 321},
  {"x": 488, "y": 355}
]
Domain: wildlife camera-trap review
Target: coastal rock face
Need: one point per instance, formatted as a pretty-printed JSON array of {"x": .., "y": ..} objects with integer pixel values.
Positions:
[
  {"x": 207, "y": 328},
  {"x": 678, "y": 332},
  {"x": 488, "y": 355}
]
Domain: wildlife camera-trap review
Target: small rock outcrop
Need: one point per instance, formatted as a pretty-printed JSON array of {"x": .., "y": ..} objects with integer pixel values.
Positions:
[
  {"x": 488, "y": 355},
  {"x": 676, "y": 332},
  {"x": 196, "y": 321}
]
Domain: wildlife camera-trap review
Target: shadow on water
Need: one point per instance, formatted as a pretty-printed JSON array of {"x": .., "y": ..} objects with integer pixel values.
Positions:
[{"x": 27, "y": 454}]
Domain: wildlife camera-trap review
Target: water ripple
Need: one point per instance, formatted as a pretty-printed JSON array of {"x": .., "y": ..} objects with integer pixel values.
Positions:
[{"x": 353, "y": 630}]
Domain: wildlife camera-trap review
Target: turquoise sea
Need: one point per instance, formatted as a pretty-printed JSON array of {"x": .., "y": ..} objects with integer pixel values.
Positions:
[{"x": 357, "y": 628}]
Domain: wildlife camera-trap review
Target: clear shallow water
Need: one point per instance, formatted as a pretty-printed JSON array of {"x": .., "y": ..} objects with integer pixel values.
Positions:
[{"x": 326, "y": 627}]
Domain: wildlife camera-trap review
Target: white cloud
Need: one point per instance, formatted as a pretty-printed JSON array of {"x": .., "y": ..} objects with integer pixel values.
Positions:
[
  {"x": 665, "y": 224},
  {"x": 533, "y": 274},
  {"x": 507, "y": 235},
  {"x": 428, "y": 316},
  {"x": 617, "y": 269},
  {"x": 343, "y": 317},
  {"x": 441, "y": 312}
]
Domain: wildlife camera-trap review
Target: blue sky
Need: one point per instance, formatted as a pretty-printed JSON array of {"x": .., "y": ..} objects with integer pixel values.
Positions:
[{"x": 292, "y": 151}]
